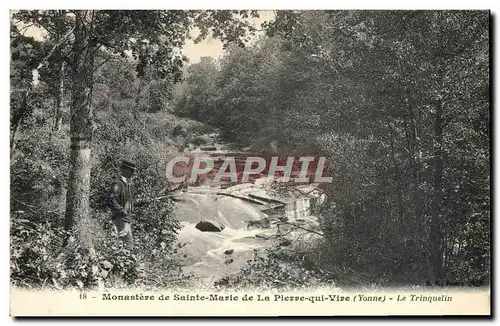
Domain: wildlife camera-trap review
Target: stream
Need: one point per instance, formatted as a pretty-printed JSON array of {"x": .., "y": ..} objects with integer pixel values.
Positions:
[
  {"x": 210, "y": 256},
  {"x": 203, "y": 253}
]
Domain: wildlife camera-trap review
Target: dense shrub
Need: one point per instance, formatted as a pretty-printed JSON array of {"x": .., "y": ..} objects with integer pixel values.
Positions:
[
  {"x": 278, "y": 268},
  {"x": 43, "y": 254},
  {"x": 38, "y": 258},
  {"x": 38, "y": 172}
]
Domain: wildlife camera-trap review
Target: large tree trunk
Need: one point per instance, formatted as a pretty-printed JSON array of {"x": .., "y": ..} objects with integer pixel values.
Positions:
[
  {"x": 435, "y": 231},
  {"x": 77, "y": 198},
  {"x": 58, "y": 105}
]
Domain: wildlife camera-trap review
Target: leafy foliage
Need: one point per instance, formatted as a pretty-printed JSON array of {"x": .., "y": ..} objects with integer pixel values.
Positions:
[
  {"x": 399, "y": 103},
  {"x": 92, "y": 254},
  {"x": 278, "y": 269},
  {"x": 38, "y": 258}
]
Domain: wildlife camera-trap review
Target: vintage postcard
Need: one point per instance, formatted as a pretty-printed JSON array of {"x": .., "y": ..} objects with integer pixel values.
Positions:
[{"x": 250, "y": 162}]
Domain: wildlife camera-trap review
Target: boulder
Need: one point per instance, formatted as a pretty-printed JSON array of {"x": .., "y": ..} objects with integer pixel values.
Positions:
[
  {"x": 265, "y": 223},
  {"x": 285, "y": 243},
  {"x": 209, "y": 226},
  {"x": 229, "y": 251},
  {"x": 208, "y": 148},
  {"x": 223, "y": 281}
]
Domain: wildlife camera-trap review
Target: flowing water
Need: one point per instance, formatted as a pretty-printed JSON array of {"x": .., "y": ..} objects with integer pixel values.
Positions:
[
  {"x": 203, "y": 253},
  {"x": 209, "y": 256}
]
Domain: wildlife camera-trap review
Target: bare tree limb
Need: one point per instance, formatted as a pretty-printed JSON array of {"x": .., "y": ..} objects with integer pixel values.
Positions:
[
  {"x": 61, "y": 41},
  {"x": 302, "y": 228},
  {"x": 30, "y": 207}
]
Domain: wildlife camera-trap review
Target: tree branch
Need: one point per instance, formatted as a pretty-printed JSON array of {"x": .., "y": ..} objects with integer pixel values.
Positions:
[
  {"x": 39, "y": 22},
  {"x": 300, "y": 227},
  {"x": 30, "y": 207},
  {"x": 61, "y": 41}
]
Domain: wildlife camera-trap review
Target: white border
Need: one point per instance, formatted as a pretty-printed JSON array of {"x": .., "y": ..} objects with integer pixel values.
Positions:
[{"x": 190, "y": 4}]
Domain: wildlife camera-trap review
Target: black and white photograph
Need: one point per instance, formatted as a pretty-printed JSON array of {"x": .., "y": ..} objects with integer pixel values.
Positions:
[{"x": 296, "y": 160}]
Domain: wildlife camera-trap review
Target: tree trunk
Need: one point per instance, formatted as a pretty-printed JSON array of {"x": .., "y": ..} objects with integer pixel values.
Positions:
[
  {"x": 418, "y": 195},
  {"x": 435, "y": 231},
  {"x": 58, "y": 106},
  {"x": 77, "y": 198},
  {"x": 16, "y": 120}
]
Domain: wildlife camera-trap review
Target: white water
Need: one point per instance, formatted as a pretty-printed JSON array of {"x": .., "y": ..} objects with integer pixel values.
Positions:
[{"x": 202, "y": 253}]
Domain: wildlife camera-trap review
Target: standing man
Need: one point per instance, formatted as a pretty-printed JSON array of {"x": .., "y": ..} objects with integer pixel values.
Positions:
[{"x": 121, "y": 202}]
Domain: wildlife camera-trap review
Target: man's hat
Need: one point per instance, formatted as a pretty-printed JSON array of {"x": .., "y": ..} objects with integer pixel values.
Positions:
[{"x": 128, "y": 164}]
